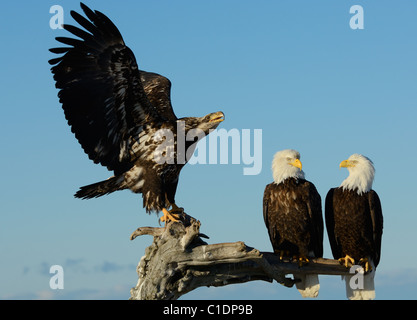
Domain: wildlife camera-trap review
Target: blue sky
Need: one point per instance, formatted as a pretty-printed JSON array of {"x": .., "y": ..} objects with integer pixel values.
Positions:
[{"x": 294, "y": 69}]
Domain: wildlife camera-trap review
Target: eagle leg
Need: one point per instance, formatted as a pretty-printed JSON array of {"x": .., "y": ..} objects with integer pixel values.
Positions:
[
  {"x": 174, "y": 208},
  {"x": 347, "y": 261},
  {"x": 364, "y": 262}
]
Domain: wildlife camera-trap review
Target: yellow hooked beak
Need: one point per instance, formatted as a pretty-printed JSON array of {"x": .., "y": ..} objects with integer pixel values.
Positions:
[
  {"x": 346, "y": 164},
  {"x": 217, "y": 117},
  {"x": 297, "y": 163}
]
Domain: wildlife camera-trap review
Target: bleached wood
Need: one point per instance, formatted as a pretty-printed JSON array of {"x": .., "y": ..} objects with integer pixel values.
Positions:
[{"x": 179, "y": 261}]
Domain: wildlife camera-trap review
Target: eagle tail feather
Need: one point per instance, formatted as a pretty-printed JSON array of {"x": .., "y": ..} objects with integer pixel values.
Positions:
[
  {"x": 101, "y": 188},
  {"x": 308, "y": 286}
]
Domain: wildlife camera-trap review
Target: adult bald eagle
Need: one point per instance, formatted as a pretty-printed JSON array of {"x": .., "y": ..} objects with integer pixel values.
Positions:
[
  {"x": 122, "y": 116},
  {"x": 354, "y": 223},
  {"x": 293, "y": 216}
]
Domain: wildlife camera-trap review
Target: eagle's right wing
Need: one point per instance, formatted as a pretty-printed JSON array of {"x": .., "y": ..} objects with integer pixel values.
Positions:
[
  {"x": 265, "y": 206},
  {"x": 101, "y": 90}
]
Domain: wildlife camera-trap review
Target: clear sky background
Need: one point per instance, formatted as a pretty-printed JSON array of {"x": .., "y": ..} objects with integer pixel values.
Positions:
[{"x": 294, "y": 69}]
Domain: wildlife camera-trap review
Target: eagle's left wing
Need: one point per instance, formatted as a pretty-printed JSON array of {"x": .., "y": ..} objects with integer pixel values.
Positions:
[
  {"x": 377, "y": 223},
  {"x": 158, "y": 91},
  {"x": 316, "y": 215}
]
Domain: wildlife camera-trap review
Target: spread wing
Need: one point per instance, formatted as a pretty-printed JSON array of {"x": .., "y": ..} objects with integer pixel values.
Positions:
[{"x": 101, "y": 90}]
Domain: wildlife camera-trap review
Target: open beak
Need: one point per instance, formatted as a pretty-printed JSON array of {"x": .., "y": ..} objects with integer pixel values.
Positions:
[
  {"x": 297, "y": 163},
  {"x": 217, "y": 117}
]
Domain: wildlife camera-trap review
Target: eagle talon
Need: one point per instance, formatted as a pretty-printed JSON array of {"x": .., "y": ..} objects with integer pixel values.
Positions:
[
  {"x": 282, "y": 254},
  {"x": 301, "y": 260},
  {"x": 169, "y": 216},
  {"x": 347, "y": 261},
  {"x": 364, "y": 262}
]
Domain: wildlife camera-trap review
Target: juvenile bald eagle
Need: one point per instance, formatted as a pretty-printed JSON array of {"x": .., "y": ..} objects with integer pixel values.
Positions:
[
  {"x": 293, "y": 216},
  {"x": 122, "y": 116},
  {"x": 354, "y": 223}
]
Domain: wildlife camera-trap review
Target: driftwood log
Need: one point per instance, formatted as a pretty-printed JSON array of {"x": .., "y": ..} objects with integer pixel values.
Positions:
[{"x": 179, "y": 261}]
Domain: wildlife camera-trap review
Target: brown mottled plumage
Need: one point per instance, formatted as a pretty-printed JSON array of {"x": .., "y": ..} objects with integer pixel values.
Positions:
[{"x": 117, "y": 111}]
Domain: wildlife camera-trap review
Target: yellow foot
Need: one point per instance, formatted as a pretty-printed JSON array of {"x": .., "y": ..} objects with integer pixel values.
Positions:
[
  {"x": 301, "y": 260},
  {"x": 170, "y": 215},
  {"x": 364, "y": 262},
  {"x": 282, "y": 254},
  {"x": 347, "y": 261}
]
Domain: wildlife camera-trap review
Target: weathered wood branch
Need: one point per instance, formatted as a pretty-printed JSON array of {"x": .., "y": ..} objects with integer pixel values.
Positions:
[{"x": 179, "y": 261}]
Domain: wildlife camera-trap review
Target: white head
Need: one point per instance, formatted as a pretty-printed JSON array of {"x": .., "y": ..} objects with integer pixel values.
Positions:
[
  {"x": 361, "y": 173},
  {"x": 287, "y": 164}
]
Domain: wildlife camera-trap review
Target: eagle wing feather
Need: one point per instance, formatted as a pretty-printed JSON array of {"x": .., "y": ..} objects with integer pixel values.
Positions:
[
  {"x": 330, "y": 225},
  {"x": 315, "y": 213},
  {"x": 101, "y": 91},
  {"x": 377, "y": 224}
]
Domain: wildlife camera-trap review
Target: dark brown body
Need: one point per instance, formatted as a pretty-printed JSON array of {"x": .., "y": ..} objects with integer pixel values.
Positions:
[
  {"x": 293, "y": 216},
  {"x": 354, "y": 224}
]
